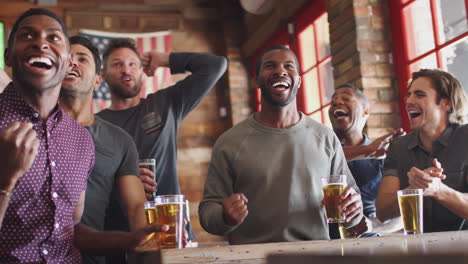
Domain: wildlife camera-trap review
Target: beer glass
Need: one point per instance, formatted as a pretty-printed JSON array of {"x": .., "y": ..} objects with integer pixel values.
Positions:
[
  {"x": 170, "y": 212},
  {"x": 333, "y": 186},
  {"x": 152, "y": 240},
  {"x": 411, "y": 210},
  {"x": 149, "y": 164}
]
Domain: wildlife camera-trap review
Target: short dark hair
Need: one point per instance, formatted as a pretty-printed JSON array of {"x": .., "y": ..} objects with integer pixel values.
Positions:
[
  {"x": 33, "y": 12},
  {"x": 360, "y": 95},
  {"x": 118, "y": 43},
  {"x": 270, "y": 48},
  {"x": 85, "y": 42},
  {"x": 447, "y": 87}
]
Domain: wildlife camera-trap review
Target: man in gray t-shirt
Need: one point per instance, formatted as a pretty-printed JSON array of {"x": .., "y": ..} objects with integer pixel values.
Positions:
[
  {"x": 115, "y": 175},
  {"x": 153, "y": 122}
]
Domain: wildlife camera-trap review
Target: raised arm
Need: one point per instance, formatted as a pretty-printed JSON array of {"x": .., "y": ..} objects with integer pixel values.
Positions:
[
  {"x": 376, "y": 150},
  {"x": 18, "y": 149},
  {"x": 206, "y": 70}
]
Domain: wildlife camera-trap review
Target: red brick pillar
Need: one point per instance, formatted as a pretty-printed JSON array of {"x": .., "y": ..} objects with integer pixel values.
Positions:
[{"x": 361, "y": 55}]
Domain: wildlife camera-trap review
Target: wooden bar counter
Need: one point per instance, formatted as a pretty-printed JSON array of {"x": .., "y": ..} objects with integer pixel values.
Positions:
[{"x": 442, "y": 243}]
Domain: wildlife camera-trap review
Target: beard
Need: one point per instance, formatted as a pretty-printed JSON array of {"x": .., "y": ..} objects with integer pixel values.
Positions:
[
  {"x": 123, "y": 91},
  {"x": 268, "y": 97}
]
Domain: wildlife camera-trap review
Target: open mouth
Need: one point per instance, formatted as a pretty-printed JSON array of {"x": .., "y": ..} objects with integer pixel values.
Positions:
[
  {"x": 40, "y": 62},
  {"x": 126, "y": 78},
  {"x": 414, "y": 114},
  {"x": 338, "y": 113},
  {"x": 281, "y": 85},
  {"x": 73, "y": 73}
]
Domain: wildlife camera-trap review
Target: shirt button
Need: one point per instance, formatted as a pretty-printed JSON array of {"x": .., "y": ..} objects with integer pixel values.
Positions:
[
  {"x": 48, "y": 134},
  {"x": 57, "y": 225},
  {"x": 36, "y": 115},
  {"x": 55, "y": 195},
  {"x": 52, "y": 163},
  {"x": 45, "y": 252}
]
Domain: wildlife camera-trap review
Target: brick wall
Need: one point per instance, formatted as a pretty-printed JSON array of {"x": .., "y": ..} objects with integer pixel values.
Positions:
[{"x": 361, "y": 50}]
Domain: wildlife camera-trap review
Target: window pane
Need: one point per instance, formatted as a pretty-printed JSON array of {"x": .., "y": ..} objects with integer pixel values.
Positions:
[
  {"x": 311, "y": 91},
  {"x": 429, "y": 62},
  {"x": 326, "y": 74},
  {"x": 307, "y": 46},
  {"x": 317, "y": 116},
  {"x": 453, "y": 16},
  {"x": 2, "y": 45},
  {"x": 455, "y": 60},
  {"x": 323, "y": 36},
  {"x": 418, "y": 28}
]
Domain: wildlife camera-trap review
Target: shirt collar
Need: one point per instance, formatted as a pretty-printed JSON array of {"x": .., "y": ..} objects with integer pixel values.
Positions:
[
  {"x": 443, "y": 139},
  {"x": 26, "y": 109}
]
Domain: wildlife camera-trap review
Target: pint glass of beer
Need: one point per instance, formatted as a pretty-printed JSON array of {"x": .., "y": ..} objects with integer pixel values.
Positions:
[
  {"x": 149, "y": 164},
  {"x": 170, "y": 211},
  {"x": 333, "y": 186},
  {"x": 152, "y": 240},
  {"x": 411, "y": 210}
]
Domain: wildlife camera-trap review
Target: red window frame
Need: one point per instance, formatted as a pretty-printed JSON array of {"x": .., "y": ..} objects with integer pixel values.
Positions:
[
  {"x": 401, "y": 52},
  {"x": 305, "y": 17}
]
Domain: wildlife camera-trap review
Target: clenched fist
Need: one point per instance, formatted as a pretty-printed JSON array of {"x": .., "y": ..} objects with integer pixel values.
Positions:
[
  {"x": 18, "y": 149},
  {"x": 235, "y": 209},
  {"x": 152, "y": 60}
]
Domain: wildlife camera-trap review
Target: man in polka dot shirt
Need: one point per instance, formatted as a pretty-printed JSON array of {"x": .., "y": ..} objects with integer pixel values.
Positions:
[{"x": 45, "y": 155}]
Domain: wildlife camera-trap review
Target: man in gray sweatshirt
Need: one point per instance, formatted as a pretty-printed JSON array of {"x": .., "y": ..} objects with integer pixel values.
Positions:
[{"x": 263, "y": 184}]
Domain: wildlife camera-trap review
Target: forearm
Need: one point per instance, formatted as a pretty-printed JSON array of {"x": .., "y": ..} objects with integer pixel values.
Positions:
[
  {"x": 356, "y": 152},
  {"x": 387, "y": 208},
  {"x": 212, "y": 219},
  {"x": 92, "y": 242},
  {"x": 389, "y": 226},
  {"x": 453, "y": 200}
]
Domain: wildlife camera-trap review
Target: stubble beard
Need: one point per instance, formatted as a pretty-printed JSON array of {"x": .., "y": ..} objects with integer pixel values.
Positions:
[
  {"x": 123, "y": 92},
  {"x": 277, "y": 103}
]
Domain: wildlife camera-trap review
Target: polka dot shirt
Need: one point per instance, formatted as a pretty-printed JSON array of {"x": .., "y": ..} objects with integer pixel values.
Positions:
[{"x": 38, "y": 224}]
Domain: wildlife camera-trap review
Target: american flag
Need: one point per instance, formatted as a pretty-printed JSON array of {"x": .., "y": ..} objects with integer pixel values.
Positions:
[{"x": 160, "y": 41}]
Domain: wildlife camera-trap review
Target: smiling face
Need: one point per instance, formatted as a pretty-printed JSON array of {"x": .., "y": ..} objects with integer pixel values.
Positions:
[
  {"x": 39, "y": 54},
  {"x": 278, "y": 78},
  {"x": 124, "y": 73},
  {"x": 347, "y": 112},
  {"x": 82, "y": 78},
  {"x": 424, "y": 112}
]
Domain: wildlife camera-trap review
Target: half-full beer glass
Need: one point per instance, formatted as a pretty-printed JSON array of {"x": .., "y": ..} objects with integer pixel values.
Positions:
[
  {"x": 411, "y": 209},
  {"x": 333, "y": 186},
  {"x": 170, "y": 211},
  {"x": 149, "y": 164}
]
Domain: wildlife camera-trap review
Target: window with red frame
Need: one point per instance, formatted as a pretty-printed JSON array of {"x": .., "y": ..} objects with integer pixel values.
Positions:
[
  {"x": 429, "y": 34},
  {"x": 310, "y": 41}
]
